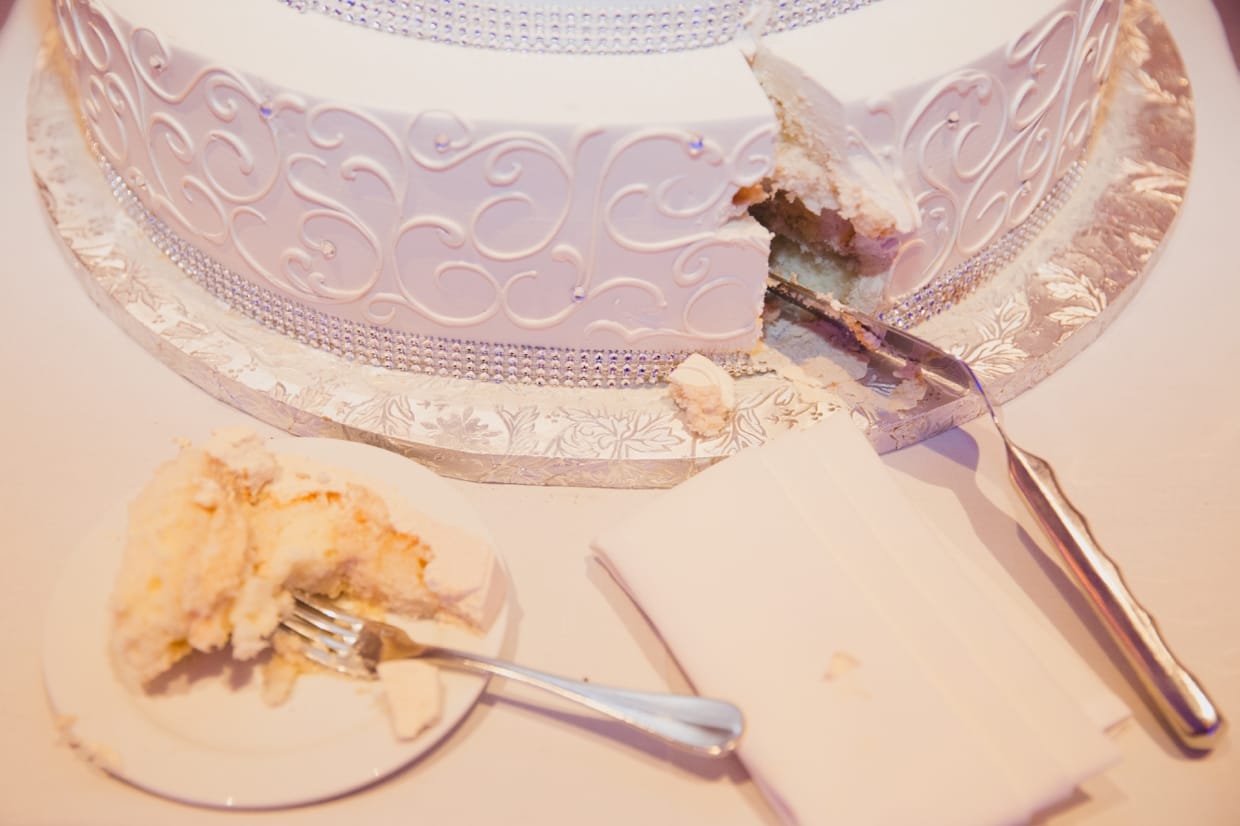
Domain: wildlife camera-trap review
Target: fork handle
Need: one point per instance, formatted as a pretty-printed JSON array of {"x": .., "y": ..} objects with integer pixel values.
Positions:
[
  {"x": 1175, "y": 694},
  {"x": 701, "y": 725}
]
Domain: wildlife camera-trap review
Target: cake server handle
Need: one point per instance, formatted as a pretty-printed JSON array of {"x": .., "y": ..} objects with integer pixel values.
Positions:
[
  {"x": 1175, "y": 694},
  {"x": 1184, "y": 706}
]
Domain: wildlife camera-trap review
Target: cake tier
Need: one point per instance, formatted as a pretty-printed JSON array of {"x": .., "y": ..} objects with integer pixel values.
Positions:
[
  {"x": 936, "y": 143},
  {"x": 336, "y": 178}
]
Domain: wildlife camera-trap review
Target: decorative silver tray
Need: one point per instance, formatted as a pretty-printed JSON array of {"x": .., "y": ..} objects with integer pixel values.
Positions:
[{"x": 1052, "y": 301}]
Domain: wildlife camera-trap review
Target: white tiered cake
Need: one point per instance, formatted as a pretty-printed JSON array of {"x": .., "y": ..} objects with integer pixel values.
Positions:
[{"x": 442, "y": 182}]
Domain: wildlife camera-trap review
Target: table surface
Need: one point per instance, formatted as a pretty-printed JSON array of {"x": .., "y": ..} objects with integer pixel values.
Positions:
[{"x": 1141, "y": 428}]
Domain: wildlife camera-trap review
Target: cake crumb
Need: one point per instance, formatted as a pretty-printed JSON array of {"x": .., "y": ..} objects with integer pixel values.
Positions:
[
  {"x": 908, "y": 393},
  {"x": 911, "y": 370},
  {"x": 101, "y": 757},
  {"x": 706, "y": 394},
  {"x": 841, "y": 663}
]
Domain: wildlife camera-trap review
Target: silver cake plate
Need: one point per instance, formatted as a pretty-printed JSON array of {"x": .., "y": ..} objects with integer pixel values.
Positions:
[{"x": 1055, "y": 298}]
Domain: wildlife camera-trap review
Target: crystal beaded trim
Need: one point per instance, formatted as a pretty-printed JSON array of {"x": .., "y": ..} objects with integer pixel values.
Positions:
[
  {"x": 576, "y": 29},
  {"x": 524, "y": 364},
  {"x": 397, "y": 350},
  {"x": 953, "y": 286}
]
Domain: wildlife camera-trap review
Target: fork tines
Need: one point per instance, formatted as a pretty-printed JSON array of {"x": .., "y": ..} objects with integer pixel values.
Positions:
[{"x": 330, "y": 635}]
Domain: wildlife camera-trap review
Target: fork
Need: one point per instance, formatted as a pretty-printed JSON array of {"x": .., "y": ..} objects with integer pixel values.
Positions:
[{"x": 355, "y": 646}]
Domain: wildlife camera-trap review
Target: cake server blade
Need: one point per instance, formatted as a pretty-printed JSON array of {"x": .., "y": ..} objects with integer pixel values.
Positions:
[{"x": 1171, "y": 690}]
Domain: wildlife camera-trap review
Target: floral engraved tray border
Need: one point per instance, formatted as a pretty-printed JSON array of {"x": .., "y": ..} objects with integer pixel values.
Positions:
[{"x": 1052, "y": 301}]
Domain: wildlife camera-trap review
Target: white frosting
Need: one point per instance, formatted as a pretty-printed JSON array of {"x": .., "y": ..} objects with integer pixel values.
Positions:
[
  {"x": 555, "y": 200},
  {"x": 413, "y": 695}
]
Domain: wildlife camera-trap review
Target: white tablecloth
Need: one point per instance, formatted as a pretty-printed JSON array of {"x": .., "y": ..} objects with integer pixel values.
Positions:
[{"x": 1141, "y": 428}]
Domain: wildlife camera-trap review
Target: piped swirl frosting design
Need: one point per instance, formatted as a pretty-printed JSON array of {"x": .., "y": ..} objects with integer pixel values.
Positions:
[
  {"x": 570, "y": 223},
  {"x": 429, "y": 220}
]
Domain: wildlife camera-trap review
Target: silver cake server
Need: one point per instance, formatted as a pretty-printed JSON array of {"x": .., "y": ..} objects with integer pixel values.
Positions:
[{"x": 1173, "y": 693}]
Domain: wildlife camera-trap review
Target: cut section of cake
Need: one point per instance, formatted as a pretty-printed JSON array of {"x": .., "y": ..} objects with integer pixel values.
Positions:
[{"x": 907, "y": 162}]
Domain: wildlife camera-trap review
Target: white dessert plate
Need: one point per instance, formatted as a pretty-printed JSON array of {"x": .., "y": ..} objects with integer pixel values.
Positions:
[{"x": 206, "y": 737}]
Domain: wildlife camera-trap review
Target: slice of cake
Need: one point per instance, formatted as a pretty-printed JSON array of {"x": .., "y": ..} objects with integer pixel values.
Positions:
[{"x": 223, "y": 532}]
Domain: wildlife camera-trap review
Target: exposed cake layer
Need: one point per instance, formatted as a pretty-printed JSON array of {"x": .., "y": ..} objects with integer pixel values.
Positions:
[
  {"x": 594, "y": 204},
  {"x": 576, "y": 26}
]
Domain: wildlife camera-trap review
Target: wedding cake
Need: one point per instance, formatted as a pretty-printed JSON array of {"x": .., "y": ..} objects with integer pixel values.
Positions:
[{"x": 580, "y": 192}]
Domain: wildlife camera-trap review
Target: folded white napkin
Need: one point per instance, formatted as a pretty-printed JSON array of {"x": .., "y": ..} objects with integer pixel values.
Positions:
[{"x": 882, "y": 680}]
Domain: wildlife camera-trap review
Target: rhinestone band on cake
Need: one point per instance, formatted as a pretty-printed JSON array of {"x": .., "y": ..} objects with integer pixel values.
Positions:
[
  {"x": 396, "y": 350},
  {"x": 583, "y": 29},
  {"x": 956, "y": 284}
]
